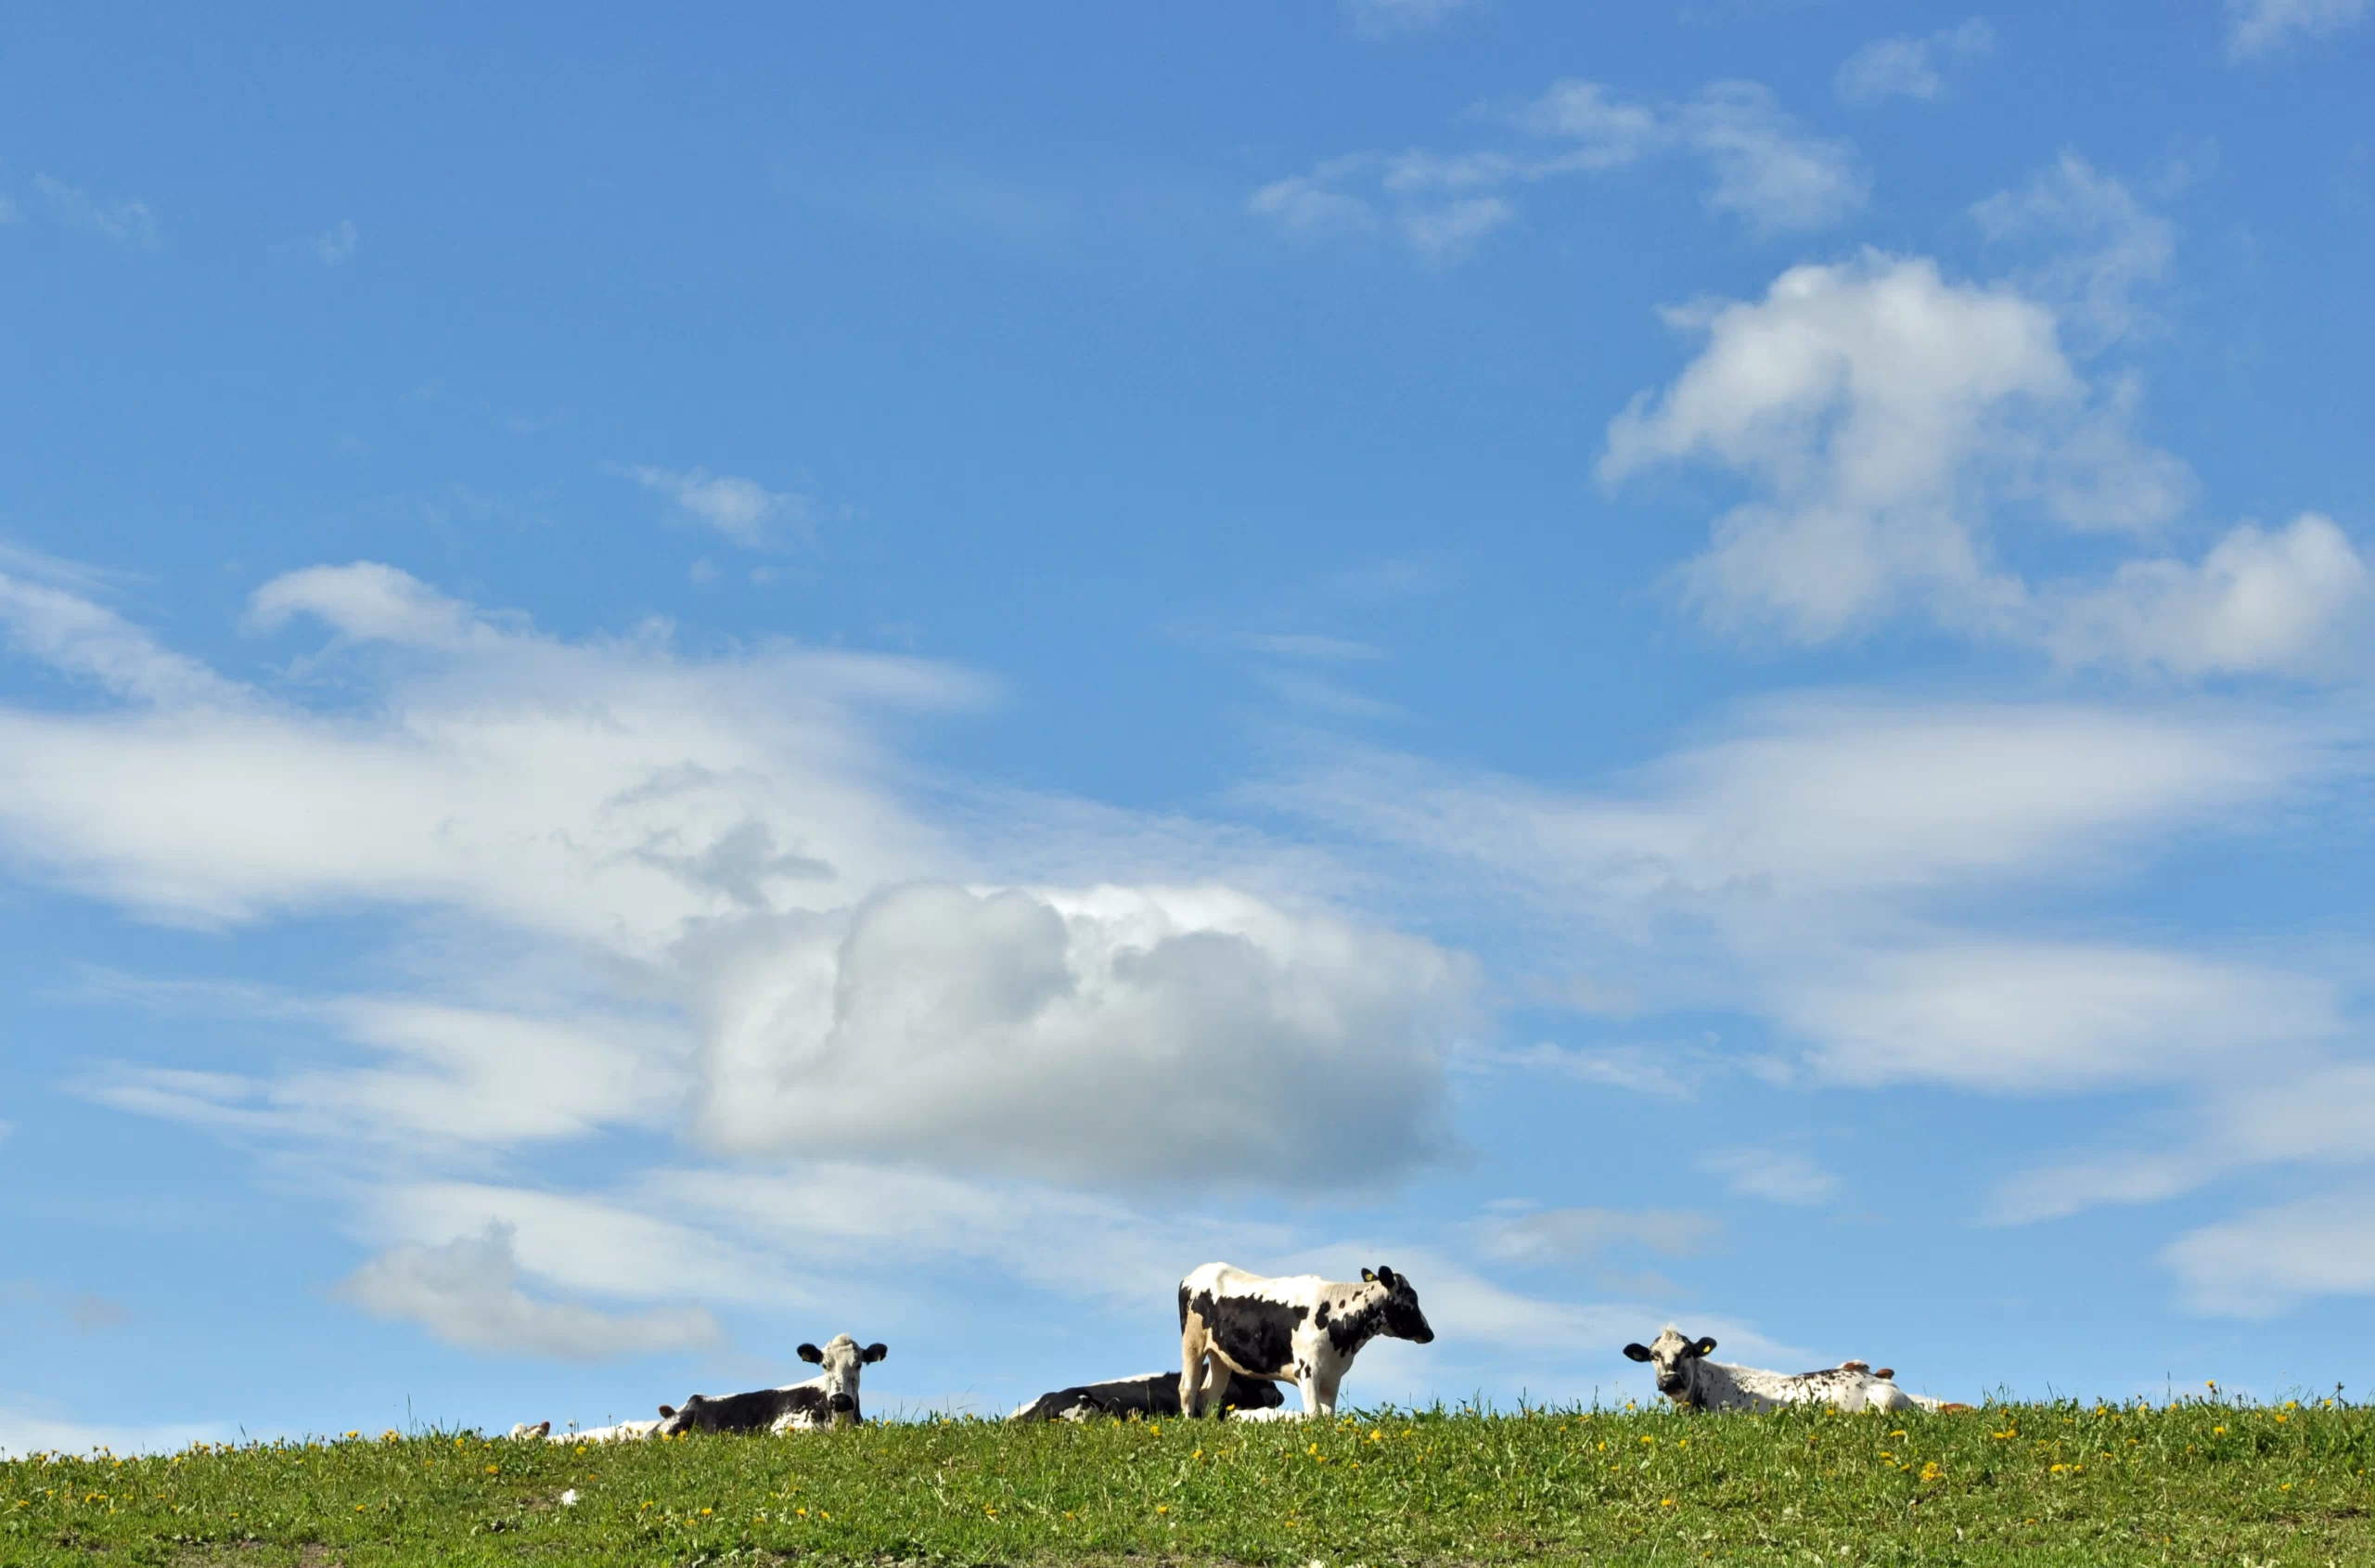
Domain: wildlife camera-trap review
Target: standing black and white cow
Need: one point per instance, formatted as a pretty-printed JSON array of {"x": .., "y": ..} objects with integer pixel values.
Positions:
[
  {"x": 822, "y": 1401},
  {"x": 1156, "y": 1394},
  {"x": 1299, "y": 1325},
  {"x": 1687, "y": 1378}
]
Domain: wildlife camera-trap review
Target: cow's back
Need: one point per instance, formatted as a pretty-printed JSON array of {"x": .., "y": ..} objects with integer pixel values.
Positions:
[{"x": 1251, "y": 1319}]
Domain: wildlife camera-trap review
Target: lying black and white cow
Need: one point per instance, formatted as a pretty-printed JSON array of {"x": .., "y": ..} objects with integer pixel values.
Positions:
[
  {"x": 823, "y": 1400},
  {"x": 1157, "y": 1393},
  {"x": 624, "y": 1431},
  {"x": 1690, "y": 1380},
  {"x": 1300, "y": 1327}
]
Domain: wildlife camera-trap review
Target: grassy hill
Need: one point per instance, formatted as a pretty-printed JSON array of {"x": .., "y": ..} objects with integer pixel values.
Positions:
[{"x": 2199, "y": 1482}]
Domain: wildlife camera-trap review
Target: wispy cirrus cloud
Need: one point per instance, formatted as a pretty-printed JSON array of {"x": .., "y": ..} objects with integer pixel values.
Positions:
[
  {"x": 744, "y": 511},
  {"x": 1910, "y": 67},
  {"x": 336, "y": 245},
  {"x": 2091, "y": 248},
  {"x": 2257, "y": 29},
  {"x": 1764, "y": 167},
  {"x": 1381, "y": 20},
  {"x": 124, "y": 220},
  {"x": 1773, "y": 1175},
  {"x": 466, "y": 1292},
  {"x": 2270, "y": 1260}
]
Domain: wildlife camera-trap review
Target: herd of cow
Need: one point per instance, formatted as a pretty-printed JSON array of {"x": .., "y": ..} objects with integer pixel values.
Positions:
[{"x": 1240, "y": 1336}]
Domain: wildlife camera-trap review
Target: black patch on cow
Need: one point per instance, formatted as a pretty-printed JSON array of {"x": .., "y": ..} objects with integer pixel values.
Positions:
[
  {"x": 1154, "y": 1395},
  {"x": 1249, "y": 1332},
  {"x": 759, "y": 1409},
  {"x": 1350, "y": 1330}
]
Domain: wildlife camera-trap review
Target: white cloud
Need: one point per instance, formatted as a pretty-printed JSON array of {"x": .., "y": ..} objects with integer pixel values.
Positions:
[
  {"x": 2268, "y": 1261},
  {"x": 444, "y": 1076},
  {"x": 1773, "y": 1175},
  {"x": 336, "y": 245},
  {"x": 1381, "y": 19},
  {"x": 2010, "y": 1015},
  {"x": 1911, "y": 68},
  {"x": 724, "y": 839},
  {"x": 602, "y": 793},
  {"x": 78, "y": 637},
  {"x": 1079, "y": 1034},
  {"x": 1823, "y": 798},
  {"x": 466, "y": 1292},
  {"x": 2262, "y": 1114},
  {"x": 743, "y": 510},
  {"x": 1858, "y": 395},
  {"x": 841, "y": 1217},
  {"x": 2287, "y": 602},
  {"x": 1766, "y": 168},
  {"x": 369, "y": 602},
  {"x": 1818, "y": 865},
  {"x": 1885, "y": 415},
  {"x": 2260, "y": 27},
  {"x": 126, "y": 222}
]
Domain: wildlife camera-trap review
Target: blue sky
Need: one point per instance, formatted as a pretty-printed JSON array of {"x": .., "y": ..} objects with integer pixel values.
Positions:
[{"x": 676, "y": 684}]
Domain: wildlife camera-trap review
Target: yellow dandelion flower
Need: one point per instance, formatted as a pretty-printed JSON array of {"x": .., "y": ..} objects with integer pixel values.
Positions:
[
  {"x": 1162, "y": 1507},
  {"x": 1665, "y": 1502}
]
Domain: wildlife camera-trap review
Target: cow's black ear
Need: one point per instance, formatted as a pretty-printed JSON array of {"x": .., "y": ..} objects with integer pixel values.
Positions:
[
  {"x": 1637, "y": 1352},
  {"x": 1704, "y": 1345},
  {"x": 810, "y": 1353},
  {"x": 875, "y": 1352},
  {"x": 1368, "y": 1277},
  {"x": 666, "y": 1411},
  {"x": 1385, "y": 1277}
]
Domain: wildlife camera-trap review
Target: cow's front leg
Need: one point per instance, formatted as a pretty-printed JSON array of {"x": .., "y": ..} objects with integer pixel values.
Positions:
[
  {"x": 1324, "y": 1383},
  {"x": 1318, "y": 1398}
]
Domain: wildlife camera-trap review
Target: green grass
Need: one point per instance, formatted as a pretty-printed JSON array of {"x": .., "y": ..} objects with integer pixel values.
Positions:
[{"x": 2010, "y": 1483}]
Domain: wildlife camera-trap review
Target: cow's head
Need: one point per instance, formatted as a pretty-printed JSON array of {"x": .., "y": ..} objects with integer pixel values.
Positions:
[
  {"x": 1677, "y": 1360},
  {"x": 842, "y": 1361},
  {"x": 1402, "y": 1318}
]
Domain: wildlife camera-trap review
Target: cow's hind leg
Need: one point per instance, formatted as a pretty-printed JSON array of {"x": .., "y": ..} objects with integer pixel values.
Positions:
[{"x": 1217, "y": 1376}]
